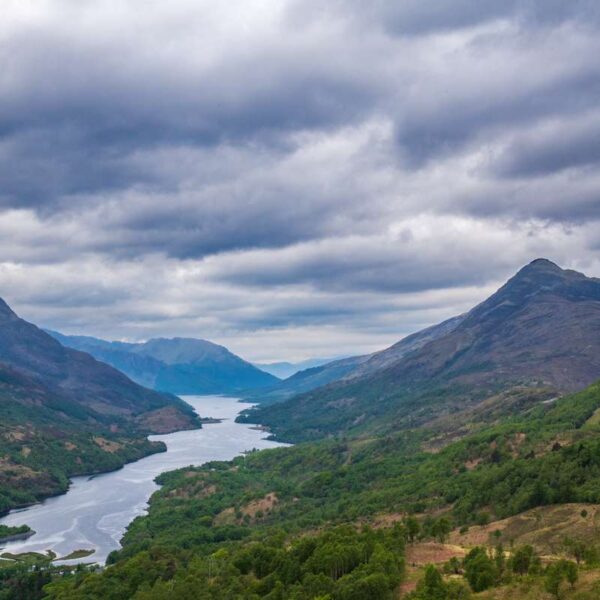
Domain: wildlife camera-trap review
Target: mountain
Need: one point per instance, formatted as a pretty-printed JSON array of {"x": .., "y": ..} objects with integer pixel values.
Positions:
[
  {"x": 283, "y": 370},
  {"x": 177, "y": 365},
  {"x": 349, "y": 368},
  {"x": 539, "y": 332},
  {"x": 62, "y": 413}
]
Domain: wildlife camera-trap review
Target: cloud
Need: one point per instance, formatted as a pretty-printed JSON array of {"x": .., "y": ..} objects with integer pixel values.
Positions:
[
  {"x": 553, "y": 147},
  {"x": 258, "y": 172}
]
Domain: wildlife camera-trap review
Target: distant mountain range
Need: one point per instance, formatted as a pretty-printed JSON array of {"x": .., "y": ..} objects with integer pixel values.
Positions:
[
  {"x": 64, "y": 413},
  {"x": 539, "y": 332},
  {"x": 177, "y": 365},
  {"x": 348, "y": 368},
  {"x": 283, "y": 370}
]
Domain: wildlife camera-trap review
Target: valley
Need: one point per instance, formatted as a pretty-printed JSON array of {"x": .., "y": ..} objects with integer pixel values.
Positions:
[
  {"x": 95, "y": 511},
  {"x": 463, "y": 461}
]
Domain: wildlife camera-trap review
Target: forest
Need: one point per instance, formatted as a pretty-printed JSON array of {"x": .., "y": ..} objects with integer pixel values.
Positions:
[{"x": 334, "y": 518}]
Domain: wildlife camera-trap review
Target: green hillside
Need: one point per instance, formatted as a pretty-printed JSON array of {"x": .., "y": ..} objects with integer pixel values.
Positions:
[
  {"x": 330, "y": 519},
  {"x": 63, "y": 413}
]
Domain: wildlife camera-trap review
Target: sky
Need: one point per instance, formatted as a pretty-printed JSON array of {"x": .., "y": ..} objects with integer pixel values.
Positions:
[{"x": 290, "y": 178}]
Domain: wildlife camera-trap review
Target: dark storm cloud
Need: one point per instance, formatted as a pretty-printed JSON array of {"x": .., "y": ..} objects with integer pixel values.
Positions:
[
  {"x": 74, "y": 114},
  {"x": 416, "y": 17},
  {"x": 559, "y": 146}
]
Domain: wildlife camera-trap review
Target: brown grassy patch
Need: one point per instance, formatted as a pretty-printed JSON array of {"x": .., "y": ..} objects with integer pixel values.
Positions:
[
  {"x": 432, "y": 552},
  {"x": 544, "y": 528},
  {"x": 107, "y": 445}
]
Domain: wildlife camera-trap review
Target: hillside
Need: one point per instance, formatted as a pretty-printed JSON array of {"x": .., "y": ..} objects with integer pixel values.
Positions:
[
  {"x": 62, "y": 413},
  {"x": 339, "y": 517},
  {"x": 304, "y": 381},
  {"x": 541, "y": 330},
  {"x": 177, "y": 365}
]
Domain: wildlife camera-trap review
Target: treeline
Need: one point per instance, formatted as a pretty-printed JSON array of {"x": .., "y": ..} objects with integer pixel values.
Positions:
[{"x": 340, "y": 564}]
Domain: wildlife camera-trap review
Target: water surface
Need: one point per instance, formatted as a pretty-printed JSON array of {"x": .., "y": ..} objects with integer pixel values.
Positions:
[{"x": 96, "y": 510}]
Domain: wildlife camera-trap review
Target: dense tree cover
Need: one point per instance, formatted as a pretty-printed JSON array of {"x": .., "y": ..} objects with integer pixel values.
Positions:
[
  {"x": 267, "y": 502},
  {"x": 339, "y": 564},
  {"x": 23, "y": 582},
  {"x": 24, "y": 577},
  {"x": 6, "y": 531},
  {"x": 41, "y": 446}
]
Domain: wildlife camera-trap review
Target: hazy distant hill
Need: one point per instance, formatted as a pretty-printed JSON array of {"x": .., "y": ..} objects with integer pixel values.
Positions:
[
  {"x": 177, "y": 365},
  {"x": 540, "y": 330},
  {"x": 283, "y": 370}
]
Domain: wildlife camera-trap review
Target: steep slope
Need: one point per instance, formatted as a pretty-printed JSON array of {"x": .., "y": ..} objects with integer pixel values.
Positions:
[
  {"x": 75, "y": 377},
  {"x": 178, "y": 365},
  {"x": 540, "y": 330},
  {"x": 63, "y": 413},
  {"x": 349, "y": 368}
]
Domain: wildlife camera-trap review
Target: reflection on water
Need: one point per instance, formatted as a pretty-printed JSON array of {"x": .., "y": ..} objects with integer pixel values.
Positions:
[{"x": 96, "y": 510}]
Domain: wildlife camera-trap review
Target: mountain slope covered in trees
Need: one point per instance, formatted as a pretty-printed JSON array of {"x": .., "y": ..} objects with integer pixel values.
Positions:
[
  {"x": 64, "y": 413},
  {"x": 346, "y": 369}
]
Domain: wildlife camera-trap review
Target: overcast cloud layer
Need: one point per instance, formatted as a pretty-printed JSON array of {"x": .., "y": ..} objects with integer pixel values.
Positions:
[{"x": 290, "y": 178}]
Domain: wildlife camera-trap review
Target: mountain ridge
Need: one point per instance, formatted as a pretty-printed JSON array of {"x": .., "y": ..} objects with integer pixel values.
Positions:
[
  {"x": 176, "y": 365},
  {"x": 540, "y": 330},
  {"x": 64, "y": 413}
]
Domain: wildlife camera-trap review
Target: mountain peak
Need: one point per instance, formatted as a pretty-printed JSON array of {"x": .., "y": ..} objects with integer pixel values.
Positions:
[
  {"x": 540, "y": 276},
  {"x": 541, "y": 267},
  {"x": 542, "y": 263}
]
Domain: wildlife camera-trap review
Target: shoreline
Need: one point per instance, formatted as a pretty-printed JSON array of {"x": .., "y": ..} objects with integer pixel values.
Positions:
[
  {"x": 166, "y": 469},
  {"x": 17, "y": 537}
]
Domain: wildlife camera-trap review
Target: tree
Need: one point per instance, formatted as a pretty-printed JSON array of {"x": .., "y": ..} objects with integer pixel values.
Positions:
[
  {"x": 431, "y": 587},
  {"x": 576, "y": 548},
  {"x": 521, "y": 560},
  {"x": 554, "y": 579},
  {"x": 571, "y": 574},
  {"x": 413, "y": 528},
  {"x": 480, "y": 570},
  {"x": 452, "y": 566},
  {"x": 440, "y": 529},
  {"x": 557, "y": 573}
]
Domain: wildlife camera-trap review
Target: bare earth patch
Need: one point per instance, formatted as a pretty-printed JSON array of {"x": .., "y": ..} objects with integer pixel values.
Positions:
[
  {"x": 107, "y": 445},
  {"x": 253, "y": 510},
  {"x": 432, "y": 552}
]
